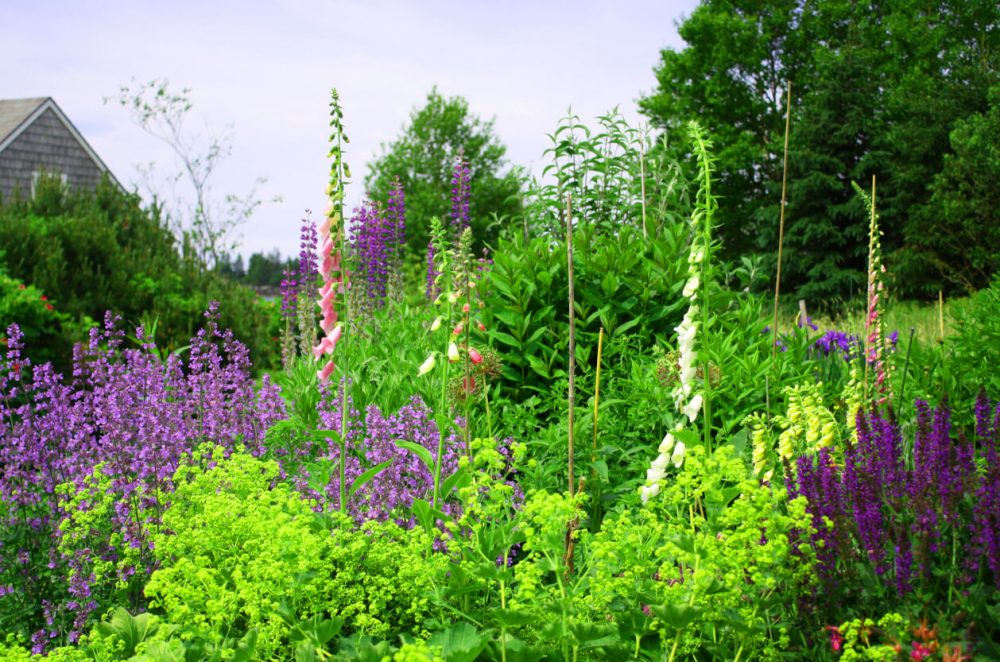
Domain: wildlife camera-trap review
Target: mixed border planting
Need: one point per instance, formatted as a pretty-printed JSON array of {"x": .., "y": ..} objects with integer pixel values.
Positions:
[{"x": 593, "y": 442}]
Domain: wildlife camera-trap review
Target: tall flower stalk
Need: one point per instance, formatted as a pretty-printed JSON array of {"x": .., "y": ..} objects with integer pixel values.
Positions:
[
  {"x": 689, "y": 399},
  {"x": 306, "y": 280},
  {"x": 446, "y": 300},
  {"x": 875, "y": 349},
  {"x": 460, "y": 194},
  {"x": 336, "y": 279},
  {"x": 396, "y": 216}
]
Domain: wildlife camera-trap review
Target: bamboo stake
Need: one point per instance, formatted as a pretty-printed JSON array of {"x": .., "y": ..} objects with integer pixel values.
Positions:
[
  {"x": 597, "y": 396},
  {"x": 781, "y": 217},
  {"x": 572, "y": 335}
]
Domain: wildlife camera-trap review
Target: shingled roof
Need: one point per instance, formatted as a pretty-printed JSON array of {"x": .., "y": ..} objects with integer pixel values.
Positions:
[
  {"x": 36, "y": 135},
  {"x": 14, "y": 113}
]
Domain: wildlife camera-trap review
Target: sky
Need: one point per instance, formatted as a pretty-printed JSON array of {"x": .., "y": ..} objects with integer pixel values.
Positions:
[{"x": 262, "y": 71}]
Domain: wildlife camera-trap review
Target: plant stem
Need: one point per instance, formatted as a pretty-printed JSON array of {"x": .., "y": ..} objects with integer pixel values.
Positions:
[
  {"x": 572, "y": 337},
  {"x": 597, "y": 396}
]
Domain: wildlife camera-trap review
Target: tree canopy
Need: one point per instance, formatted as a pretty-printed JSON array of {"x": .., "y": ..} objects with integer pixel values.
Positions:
[
  {"x": 423, "y": 158},
  {"x": 898, "y": 89}
]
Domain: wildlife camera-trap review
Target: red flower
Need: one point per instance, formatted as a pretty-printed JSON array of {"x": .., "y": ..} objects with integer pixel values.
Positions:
[
  {"x": 44, "y": 298},
  {"x": 481, "y": 326},
  {"x": 836, "y": 639},
  {"x": 475, "y": 356},
  {"x": 21, "y": 286},
  {"x": 920, "y": 652},
  {"x": 48, "y": 306},
  {"x": 465, "y": 308}
]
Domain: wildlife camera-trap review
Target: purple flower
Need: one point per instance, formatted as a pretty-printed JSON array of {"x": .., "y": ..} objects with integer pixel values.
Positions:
[
  {"x": 460, "y": 196},
  {"x": 133, "y": 414}
]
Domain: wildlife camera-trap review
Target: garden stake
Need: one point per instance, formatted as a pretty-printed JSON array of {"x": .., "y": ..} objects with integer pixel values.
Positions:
[
  {"x": 597, "y": 396},
  {"x": 572, "y": 335},
  {"x": 781, "y": 220}
]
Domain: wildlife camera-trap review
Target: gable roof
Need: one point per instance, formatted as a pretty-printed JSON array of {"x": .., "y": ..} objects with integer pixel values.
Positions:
[
  {"x": 13, "y": 113},
  {"x": 16, "y": 115}
]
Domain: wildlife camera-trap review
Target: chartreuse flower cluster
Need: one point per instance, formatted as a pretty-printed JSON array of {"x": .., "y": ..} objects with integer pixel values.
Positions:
[
  {"x": 806, "y": 427},
  {"x": 717, "y": 552}
]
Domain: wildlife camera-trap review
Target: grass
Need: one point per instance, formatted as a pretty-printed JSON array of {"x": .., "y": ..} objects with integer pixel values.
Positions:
[{"x": 900, "y": 316}]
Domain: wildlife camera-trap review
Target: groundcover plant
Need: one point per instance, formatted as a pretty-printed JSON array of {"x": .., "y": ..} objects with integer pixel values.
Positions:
[{"x": 434, "y": 474}]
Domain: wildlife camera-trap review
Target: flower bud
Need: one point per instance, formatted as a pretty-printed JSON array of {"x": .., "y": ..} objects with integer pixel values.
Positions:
[{"x": 426, "y": 366}]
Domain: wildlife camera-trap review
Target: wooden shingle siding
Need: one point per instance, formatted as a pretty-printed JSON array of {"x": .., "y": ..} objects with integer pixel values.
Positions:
[{"x": 45, "y": 144}]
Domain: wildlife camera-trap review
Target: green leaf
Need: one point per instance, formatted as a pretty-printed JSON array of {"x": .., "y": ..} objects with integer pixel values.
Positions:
[
  {"x": 459, "y": 643},
  {"x": 363, "y": 479},
  {"x": 421, "y": 452},
  {"x": 457, "y": 480},
  {"x": 677, "y": 616}
]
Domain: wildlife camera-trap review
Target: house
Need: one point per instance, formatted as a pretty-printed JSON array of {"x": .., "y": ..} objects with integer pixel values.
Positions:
[{"x": 36, "y": 136}]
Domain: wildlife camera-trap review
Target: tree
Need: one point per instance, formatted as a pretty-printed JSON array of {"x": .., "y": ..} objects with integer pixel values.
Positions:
[
  {"x": 424, "y": 157},
  {"x": 878, "y": 87},
  {"x": 211, "y": 223}
]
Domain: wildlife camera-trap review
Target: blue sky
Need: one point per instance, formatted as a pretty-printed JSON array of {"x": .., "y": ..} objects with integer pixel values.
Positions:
[{"x": 266, "y": 69}]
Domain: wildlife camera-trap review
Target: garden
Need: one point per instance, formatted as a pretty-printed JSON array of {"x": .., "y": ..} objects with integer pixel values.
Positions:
[
  {"x": 725, "y": 386},
  {"x": 596, "y": 440}
]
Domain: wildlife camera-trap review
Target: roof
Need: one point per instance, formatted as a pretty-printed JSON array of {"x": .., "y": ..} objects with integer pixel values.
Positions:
[
  {"x": 14, "y": 112},
  {"x": 17, "y": 114}
]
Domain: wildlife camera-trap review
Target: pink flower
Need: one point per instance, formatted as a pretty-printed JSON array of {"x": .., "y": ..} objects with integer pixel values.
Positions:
[
  {"x": 836, "y": 639},
  {"x": 324, "y": 374},
  {"x": 475, "y": 356}
]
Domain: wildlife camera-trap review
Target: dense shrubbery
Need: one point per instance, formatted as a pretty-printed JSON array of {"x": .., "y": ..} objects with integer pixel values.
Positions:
[{"x": 93, "y": 251}]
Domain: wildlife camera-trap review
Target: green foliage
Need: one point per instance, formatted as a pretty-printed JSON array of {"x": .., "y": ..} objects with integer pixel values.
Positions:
[
  {"x": 47, "y": 330},
  {"x": 877, "y": 88},
  {"x": 624, "y": 283},
  {"x": 977, "y": 343},
  {"x": 235, "y": 546},
  {"x": 97, "y": 548},
  {"x": 95, "y": 251},
  {"x": 957, "y": 230},
  {"x": 424, "y": 156},
  {"x": 717, "y": 557},
  {"x": 380, "y": 576}
]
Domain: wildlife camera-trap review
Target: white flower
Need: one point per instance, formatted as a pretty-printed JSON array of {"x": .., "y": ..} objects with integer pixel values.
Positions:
[
  {"x": 678, "y": 456},
  {"x": 452, "y": 352},
  {"x": 692, "y": 408},
  {"x": 691, "y": 287},
  {"x": 647, "y": 492},
  {"x": 697, "y": 256},
  {"x": 667, "y": 444},
  {"x": 436, "y": 324}
]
